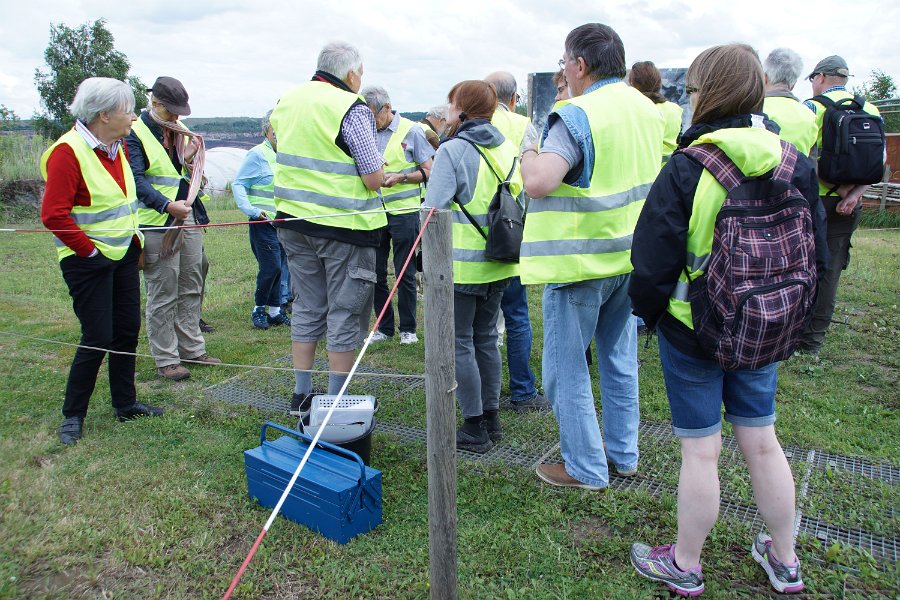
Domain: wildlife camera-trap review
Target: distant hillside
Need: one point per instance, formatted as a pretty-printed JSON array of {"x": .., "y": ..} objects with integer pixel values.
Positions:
[{"x": 249, "y": 125}]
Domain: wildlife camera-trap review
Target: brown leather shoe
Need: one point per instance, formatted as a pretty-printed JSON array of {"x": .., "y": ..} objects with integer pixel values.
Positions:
[
  {"x": 206, "y": 359},
  {"x": 558, "y": 476},
  {"x": 173, "y": 372}
]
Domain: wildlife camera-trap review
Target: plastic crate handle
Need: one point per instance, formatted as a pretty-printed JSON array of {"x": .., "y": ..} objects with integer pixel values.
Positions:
[{"x": 322, "y": 444}]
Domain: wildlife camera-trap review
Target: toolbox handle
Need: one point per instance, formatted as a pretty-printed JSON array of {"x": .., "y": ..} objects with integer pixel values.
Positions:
[{"x": 323, "y": 444}]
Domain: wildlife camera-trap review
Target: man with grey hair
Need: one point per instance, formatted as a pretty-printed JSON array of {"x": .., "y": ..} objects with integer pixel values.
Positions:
[
  {"x": 327, "y": 174},
  {"x": 254, "y": 194},
  {"x": 588, "y": 184},
  {"x": 523, "y": 392},
  {"x": 408, "y": 156},
  {"x": 434, "y": 124},
  {"x": 798, "y": 126}
]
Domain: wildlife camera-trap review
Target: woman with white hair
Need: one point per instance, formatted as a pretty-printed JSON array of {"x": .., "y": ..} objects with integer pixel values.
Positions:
[{"x": 90, "y": 205}]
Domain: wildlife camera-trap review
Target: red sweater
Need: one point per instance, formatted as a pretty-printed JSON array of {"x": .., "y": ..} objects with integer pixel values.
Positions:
[{"x": 66, "y": 189}]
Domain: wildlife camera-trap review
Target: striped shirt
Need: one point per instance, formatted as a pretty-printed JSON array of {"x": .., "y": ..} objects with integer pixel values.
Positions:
[{"x": 94, "y": 142}]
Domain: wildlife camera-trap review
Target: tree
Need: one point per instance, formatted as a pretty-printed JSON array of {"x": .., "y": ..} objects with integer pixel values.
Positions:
[
  {"x": 881, "y": 86},
  {"x": 72, "y": 56},
  {"x": 8, "y": 118}
]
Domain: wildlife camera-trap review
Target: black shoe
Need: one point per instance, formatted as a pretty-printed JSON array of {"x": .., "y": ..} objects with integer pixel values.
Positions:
[
  {"x": 478, "y": 443},
  {"x": 138, "y": 409},
  {"x": 301, "y": 404},
  {"x": 492, "y": 425},
  {"x": 70, "y": 430},
  {"x": 206, "y": 327},
  {"x": 534, "y": 404}
]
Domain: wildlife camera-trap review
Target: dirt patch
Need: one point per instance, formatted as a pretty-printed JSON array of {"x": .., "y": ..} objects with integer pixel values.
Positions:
[
  {"x": 21, "y": 200},
  {"x": 591, "y": 528}
]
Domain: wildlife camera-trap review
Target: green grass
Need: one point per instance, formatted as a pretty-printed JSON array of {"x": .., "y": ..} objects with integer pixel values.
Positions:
[
  {"x": 158, "y": 508},
  {"x": 20, "y": 157}
]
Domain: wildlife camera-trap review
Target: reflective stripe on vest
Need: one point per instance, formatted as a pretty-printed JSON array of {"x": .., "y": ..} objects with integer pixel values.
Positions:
[
  {"x": 511, "y": 125},
  {"x": 820, "y": 116},
  {"x": 671, "y": 113},
  {"x": 576, "y": 234},
  {"x": 111, "y": 219},
  {"x": 160, "y": 174},
  {"x": 401, "y": 197},
  {"x": 312, "y": 176},
  {"x": 469, "y": 262},
  {"x": 263, "y": 196}
]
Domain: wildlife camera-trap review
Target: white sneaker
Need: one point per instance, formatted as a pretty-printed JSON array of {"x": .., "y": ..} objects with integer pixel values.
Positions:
[
  {"x": 408, "y": 337},
  {"x": 379, "y": 337}
]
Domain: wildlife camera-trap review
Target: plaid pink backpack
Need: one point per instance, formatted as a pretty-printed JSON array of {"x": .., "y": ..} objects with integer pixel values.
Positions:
[{"x": 757, "y": 291}]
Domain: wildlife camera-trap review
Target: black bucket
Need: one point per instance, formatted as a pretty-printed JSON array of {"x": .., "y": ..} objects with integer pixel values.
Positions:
[{"x": 361, "y": 445}]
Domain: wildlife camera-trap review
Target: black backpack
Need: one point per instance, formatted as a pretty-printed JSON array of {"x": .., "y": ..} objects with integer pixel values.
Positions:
[
  {"x": 506, "y": 219},
  {"x": 852, "y": 148}
]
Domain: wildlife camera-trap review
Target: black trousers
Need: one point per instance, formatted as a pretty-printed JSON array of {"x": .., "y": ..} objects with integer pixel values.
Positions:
[
  {"x": 401, "y": 232},
  {"x": 106, "y": 296}
]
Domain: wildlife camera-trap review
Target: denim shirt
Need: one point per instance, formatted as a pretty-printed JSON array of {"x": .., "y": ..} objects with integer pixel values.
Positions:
[{"x": 576, "y": 121}]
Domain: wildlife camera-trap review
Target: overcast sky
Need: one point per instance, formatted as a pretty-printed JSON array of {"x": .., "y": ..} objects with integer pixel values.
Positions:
[{"x": 237, "y": 57}]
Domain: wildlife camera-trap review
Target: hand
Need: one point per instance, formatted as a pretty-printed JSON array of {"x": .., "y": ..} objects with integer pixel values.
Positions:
[
  {"x": 262, "y": 216},
  {"x": 178, "y": 209},
  {"x": 846, "y": 206},
  {"x": 393, "y": 179}
]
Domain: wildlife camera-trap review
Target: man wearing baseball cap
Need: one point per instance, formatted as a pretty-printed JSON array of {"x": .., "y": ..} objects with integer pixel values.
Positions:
[
  {"x": 842, "y": 203},
  {"x": 162, "y": 153}
]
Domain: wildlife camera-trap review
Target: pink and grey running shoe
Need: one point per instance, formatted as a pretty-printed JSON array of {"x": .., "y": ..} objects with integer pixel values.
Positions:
[
  {"x": 785, "y": 579},
  {"x": 658, "y": 564}
]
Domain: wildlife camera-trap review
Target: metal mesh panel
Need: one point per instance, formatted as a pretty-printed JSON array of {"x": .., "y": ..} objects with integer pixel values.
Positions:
[
  {"x": 881, "y": 548},
  {"x": 882, "y": 472}
]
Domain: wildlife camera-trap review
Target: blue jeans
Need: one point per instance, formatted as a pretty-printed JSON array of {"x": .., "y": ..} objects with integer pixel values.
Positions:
[
  {"x": 573, "y": 314},
  {"x": 401, "y": 232},
  {"x": 514, "y": 305},
  {"x": 478, "y": 363},
  {"x": 270, "y": 257},
  {"x": 286, "y": 294}
]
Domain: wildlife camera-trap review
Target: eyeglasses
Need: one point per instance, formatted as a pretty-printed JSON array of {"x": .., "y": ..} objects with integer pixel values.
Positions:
[
  {"x": 562, "y": 63},
  {"x": 813, "y": 76},
  {"x": 689, "y": 89}
]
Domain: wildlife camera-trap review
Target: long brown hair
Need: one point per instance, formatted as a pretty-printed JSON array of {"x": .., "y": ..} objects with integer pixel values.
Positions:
[
  {"x": 729, "y": 81},
  {"x": 645, "y": 78},
  {"x": 477, "y": 99}
]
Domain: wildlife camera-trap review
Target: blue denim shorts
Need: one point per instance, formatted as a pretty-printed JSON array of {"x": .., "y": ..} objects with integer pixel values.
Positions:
[{"x": 697, "y": 388}]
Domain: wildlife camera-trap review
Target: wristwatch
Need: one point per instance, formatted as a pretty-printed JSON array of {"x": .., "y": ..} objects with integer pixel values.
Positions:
[{"x": 405, "y": 177}]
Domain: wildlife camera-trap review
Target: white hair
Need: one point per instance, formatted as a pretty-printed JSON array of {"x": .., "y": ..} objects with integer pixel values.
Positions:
[
  {"x": 783, "y": 65},
  {"x": 376, "y": 97},
  {"x": 101, "y": 94},
  {"x": 437, "y": 112},
  {"x": 505, "y": 84},
  {"x": 338, "y": 59},
  {"x": 266, "y": 123}
]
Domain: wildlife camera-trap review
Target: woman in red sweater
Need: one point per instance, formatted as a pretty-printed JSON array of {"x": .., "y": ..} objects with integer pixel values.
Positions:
[{"x": 90, "y": 205}]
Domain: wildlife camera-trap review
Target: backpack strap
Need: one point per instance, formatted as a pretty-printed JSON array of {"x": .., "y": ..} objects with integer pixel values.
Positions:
[
  {"x": 829, "y": 103},
  {"x": 717, "y": 163},
  {"x": 488, "y": 163},
  {"x": 785, "y": 169}
]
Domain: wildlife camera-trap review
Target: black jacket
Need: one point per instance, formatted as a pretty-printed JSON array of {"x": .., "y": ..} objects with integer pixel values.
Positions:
[{"x": 659, "y": 246}]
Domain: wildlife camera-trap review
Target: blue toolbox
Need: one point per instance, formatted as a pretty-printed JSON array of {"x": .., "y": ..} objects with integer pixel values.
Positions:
[{"x": 336, "y": 494}]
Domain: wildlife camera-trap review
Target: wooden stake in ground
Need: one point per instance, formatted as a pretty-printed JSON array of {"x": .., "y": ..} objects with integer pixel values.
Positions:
[{"x": 440, "y": 381}]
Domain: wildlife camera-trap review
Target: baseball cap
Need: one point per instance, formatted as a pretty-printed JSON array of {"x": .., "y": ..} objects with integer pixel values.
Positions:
[
  {"x": 831, "y": 65},
  {"x": 172, "y": 95}
]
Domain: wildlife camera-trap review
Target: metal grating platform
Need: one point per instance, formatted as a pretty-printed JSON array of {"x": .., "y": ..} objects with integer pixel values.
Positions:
[{"x": 531, "y": 438}]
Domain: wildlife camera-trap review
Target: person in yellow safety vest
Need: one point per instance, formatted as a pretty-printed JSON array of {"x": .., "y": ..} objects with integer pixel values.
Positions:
[
  {"x": 466, "y": 171},
  {"x": 514, "y": 318},
  {"x": 843, "y": 207},
  {"x": 254, "y": 193},
  {"x": 798, "y": 125},
  {"x": 434, "y": 123},
  {"x": 674, "y": 236},
  {"x": 175, "y": 283},
  {"x": 408, "y": 156},
  {"x": 646, "y": 78},
  {"x": 598, "y": 158},
  {"x": 90, "y": 204},
  {"x": 327, "y": 175}
]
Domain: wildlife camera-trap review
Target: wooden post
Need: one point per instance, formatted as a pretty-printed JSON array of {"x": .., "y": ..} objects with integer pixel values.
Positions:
[
  {"x": 440, "y": 378},
  {"x": 885, "y": 180}
]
